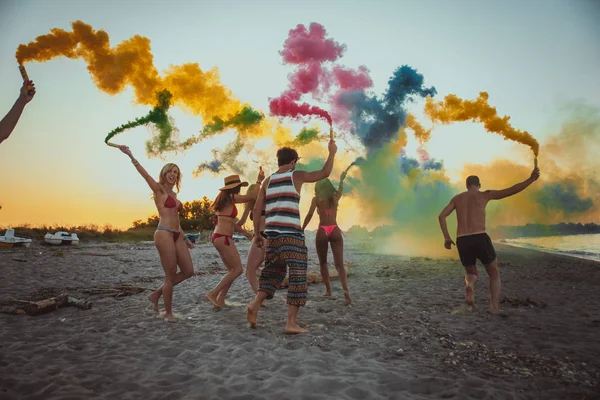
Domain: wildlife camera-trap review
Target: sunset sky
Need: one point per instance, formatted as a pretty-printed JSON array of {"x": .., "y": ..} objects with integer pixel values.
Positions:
[{"x": 532, "y": 57}]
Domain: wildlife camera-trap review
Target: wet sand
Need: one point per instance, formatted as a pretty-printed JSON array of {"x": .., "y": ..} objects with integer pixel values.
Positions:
[{"x": 406, "y": 335}]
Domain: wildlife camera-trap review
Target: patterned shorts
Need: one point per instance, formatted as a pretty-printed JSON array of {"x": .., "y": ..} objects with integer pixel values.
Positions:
[{"x": 285, "y": 251}]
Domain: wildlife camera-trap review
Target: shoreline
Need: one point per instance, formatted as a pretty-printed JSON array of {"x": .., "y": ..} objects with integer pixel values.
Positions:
[
  {"x": 406, "y": 334},
  {"x": 544, "y": 250}
]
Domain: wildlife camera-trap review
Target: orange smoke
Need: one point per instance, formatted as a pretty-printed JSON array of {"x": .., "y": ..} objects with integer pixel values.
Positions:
[
  {"x": 421, "y": 134},
  {"x": 454, "y": 109},
  {"x": 132, "y": 63}
]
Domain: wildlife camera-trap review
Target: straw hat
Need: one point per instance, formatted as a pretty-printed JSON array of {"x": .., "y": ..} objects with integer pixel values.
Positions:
[{"x": 233, "y": 181}]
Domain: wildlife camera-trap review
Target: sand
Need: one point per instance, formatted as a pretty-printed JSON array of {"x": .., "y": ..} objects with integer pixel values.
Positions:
[{"x": 406, "y": 335}]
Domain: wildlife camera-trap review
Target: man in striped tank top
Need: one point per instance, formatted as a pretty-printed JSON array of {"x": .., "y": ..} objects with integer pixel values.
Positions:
[{"x": 284, "y": 245}]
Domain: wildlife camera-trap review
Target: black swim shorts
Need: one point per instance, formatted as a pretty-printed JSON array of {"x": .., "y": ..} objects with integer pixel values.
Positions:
[{"x": 473, "y": 247}]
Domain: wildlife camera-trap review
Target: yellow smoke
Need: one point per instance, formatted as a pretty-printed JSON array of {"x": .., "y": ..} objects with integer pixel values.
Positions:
[
  {"x": 454, "y": 109},
  {"x": 131, "y": 63},
  {"x": 421, "y": 134}
]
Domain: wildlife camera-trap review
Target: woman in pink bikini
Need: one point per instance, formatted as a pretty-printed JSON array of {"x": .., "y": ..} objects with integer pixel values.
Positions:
[
  {"x": 173, "y": 247},
  {"x": 256, "y": 255},
  {"x": 225, "y": 226},
  {"x": 326, "y": 203}
]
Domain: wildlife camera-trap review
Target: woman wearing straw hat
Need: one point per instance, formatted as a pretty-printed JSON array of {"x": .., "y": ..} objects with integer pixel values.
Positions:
[
  {"x": 225, "y": 226},
  {"x": 169, "y": 239},
  {"x": 326, "y": 202}
]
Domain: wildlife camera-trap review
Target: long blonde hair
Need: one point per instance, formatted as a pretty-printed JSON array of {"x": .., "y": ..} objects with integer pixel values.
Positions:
[{"x": 162, "y": 179}]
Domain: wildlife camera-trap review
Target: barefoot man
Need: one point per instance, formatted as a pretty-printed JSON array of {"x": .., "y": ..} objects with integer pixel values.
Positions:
[
  {"x": 284, "y": 246},
  {"x": 471, "y": 240}
]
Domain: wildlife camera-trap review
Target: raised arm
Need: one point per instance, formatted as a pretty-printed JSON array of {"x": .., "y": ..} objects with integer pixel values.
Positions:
[
  {"x": 500, "y": 194},
  {"x": 258, "y": 207},
  {"x": 442, "y": 219},
  {"x": 154, "y": 186},
  {"x": 341, "y": 186},
  {"x": 301, "y": 177},
  {"x": 247, "y": 198},
  {"x": 8, "y": 123},
  {"x": 309, "y": 216}
]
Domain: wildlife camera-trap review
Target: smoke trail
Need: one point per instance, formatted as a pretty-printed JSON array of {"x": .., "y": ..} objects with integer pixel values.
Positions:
[
  {"x": 214, "y": 166},
  {"x": 308, "y": 49},
  {"x": 376, "y": 122},
  {"x": 131, "y": 63},
  {"x": 305, "y": 137},
  {"x": 562, "y": 196},
  {"x": 423, "y": 135},
  {"x": 245, "y": 119},
  {"x": 454, "y": 109}
]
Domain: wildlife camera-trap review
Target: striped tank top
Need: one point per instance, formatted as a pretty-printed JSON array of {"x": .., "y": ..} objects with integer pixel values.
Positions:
[{"x": 282, "y": 205}]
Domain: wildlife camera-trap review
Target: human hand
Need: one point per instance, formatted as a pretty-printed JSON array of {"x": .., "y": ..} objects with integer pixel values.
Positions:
[
  {"x": 535, "y": 174},
  {"x": 259, "y": 241},
  {"x": 332, "y": 147},
  {"x": 125, "y": 149},
  {"x": 261, "y": 175},
  {"x": 448, "y": 243},
  {"x": 26, "y": 94}
]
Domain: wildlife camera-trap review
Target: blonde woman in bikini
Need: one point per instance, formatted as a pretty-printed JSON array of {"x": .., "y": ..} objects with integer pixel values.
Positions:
[
  {"x": 169, "y": 239},
  {"x": 326, "y": 203},
  {"x": 225, "y": 225}
]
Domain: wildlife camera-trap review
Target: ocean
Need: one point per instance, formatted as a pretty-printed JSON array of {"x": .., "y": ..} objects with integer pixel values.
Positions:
[{"x": 582, "y": 246}]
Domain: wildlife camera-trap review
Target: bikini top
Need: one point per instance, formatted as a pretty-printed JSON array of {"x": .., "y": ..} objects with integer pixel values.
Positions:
[
  {"x": 233, "y": 214},
  {"x": 170, "y": 202}
]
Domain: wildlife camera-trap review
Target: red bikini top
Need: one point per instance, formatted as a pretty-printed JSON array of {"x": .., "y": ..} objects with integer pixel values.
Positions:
[
  {"x": 170, "y": 202},
  {"x": 233, "y": 214}
]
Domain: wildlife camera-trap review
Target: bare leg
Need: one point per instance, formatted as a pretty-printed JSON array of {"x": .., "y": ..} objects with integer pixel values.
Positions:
[
  {"x": 168, "y": 258},
  {"x": 470, "y": 279},
  {"x": 322, "y": 244},
  {"x": 256, "y": 256},
  {"x": 337, "y": 248},
  {"x": 231, "y": 259},
  {"x": 184, "y": 260},
  {"x": 291, "y": 326},
  {"x": 495, "y": 286},
  {"x": 253, "y": 308}
]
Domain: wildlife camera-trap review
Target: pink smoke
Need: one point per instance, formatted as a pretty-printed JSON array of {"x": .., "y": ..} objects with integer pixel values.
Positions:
[
  {"x": 423, "y": 154},
  {"x": 304, "y": 46},
  {"x": 285, "y": 107}
]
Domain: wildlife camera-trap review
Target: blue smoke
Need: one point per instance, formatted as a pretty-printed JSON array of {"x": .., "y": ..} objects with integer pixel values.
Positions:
[
  {"x": 376, "y": 122},
  {"x": 562, "y": 196},
  {"x": 214, "y": 166},
  {"x": 433, "y": 165}
]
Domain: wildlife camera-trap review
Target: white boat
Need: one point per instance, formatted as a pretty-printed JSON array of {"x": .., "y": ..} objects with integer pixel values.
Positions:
[
  {"x": 59, "y": 238},
  {"x": 10, "y": 240}
]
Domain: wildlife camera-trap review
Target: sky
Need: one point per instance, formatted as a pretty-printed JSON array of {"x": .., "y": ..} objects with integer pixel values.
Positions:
[{"x": 533, "y": 58}]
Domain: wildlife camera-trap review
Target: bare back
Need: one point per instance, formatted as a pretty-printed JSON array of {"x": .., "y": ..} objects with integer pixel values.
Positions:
[
  {"x": 470, "y": 212},
  {"x": 327, "y": 214}
]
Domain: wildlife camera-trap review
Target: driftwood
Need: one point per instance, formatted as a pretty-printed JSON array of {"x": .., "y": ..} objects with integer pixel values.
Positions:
[
  {"x": 54, "y": 302},
  {"x": 26, "y": 307},
  {"x": 315, "y": 277}
]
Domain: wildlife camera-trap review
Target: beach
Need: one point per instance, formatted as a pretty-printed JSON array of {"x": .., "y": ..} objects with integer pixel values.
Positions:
[{"x": 405, "y": 336}]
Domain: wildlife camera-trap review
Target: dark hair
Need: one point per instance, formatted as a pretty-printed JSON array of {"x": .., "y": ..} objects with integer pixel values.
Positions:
[
  {"x": 286, "y": 155},
  {"x": 473, "y": 180},
  {"x": 324, "y": 191},
  {"x": 224, "y": 198}
]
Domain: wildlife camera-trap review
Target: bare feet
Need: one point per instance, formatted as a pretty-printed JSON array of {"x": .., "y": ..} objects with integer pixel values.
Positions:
[
  {"x": 212, "y": 298},
  {"x": 327, "y": 293},
  {"x": 153, "y": 297},
  {"x": 470, "y": 296},
  {"x": 347, "y": 297},
  {"x": 496, "y": 310},
  {"x": 251, "y": 315},
  {"x": 294, "y": 329},
  {"x": 168, "y": 317}
]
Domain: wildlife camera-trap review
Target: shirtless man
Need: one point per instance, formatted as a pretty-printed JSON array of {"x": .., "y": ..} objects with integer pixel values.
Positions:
[
  {"x": 9, "y": 122},
  {"x": 471, "y": 240}
]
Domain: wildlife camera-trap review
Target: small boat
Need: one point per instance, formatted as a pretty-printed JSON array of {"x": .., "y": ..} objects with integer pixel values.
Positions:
[
  {"x": 59, "y": 238},
  {"x": 10, "y": 240}
]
